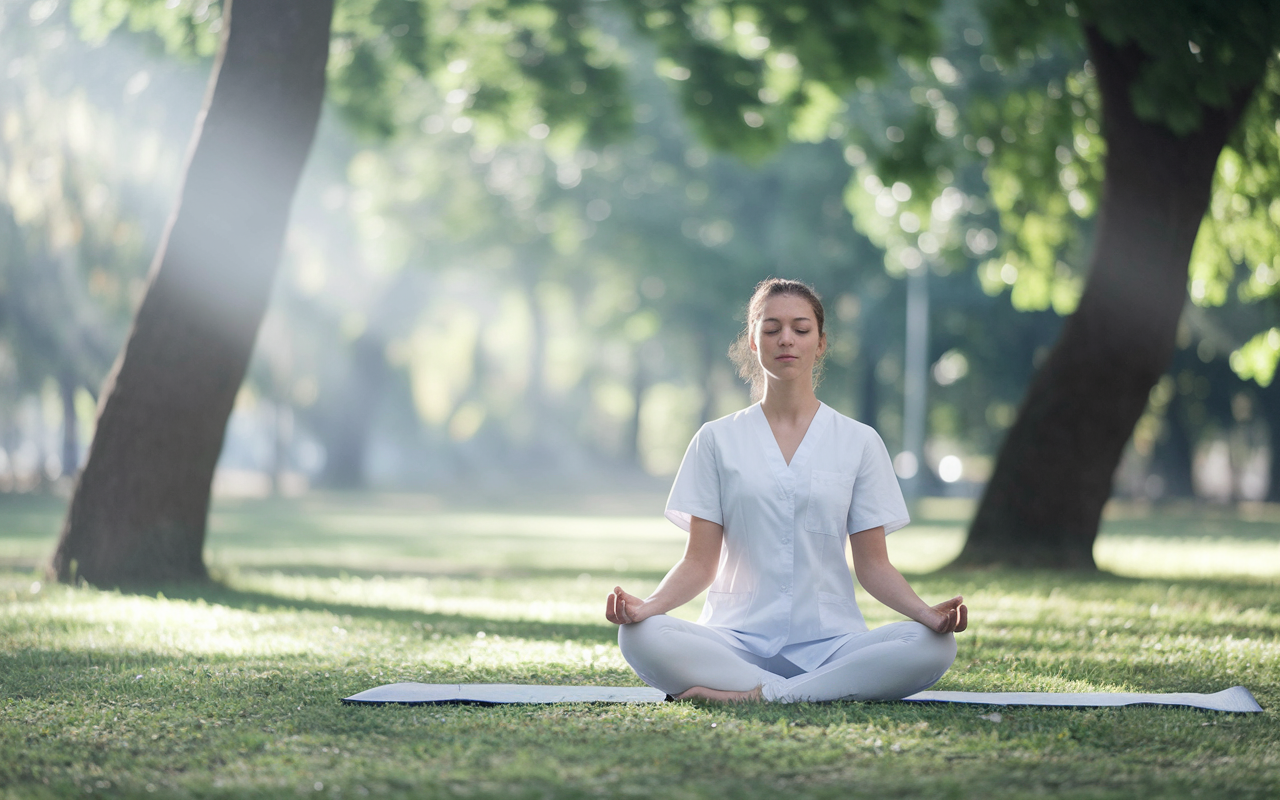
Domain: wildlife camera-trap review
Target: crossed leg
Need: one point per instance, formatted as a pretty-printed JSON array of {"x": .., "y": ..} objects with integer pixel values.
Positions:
[{"x": 887, "y": 663}]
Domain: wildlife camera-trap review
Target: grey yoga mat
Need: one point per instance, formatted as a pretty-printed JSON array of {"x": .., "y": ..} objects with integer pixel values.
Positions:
[{"x": 1236, "y": 699}]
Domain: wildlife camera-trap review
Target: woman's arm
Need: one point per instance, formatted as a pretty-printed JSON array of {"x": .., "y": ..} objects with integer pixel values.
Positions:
[
  {"x": 886, "y": 584},
  {"x": 690, "y": 576}
]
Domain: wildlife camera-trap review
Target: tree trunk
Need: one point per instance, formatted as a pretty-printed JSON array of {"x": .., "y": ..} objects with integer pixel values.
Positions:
[
  {"x": 1269, "y": 402},
  {"x": 348, "y": 428},
  {"x": 710, "y": 360},
  {"x": 1054, "y": 471},
  {"x": 70, "y": 438},
  {"x": 863, "y": 371},
  {"x": 1174, "y": 452},
  {"x": 639, "y": 383},
  {"x": 140, "y": 508}
]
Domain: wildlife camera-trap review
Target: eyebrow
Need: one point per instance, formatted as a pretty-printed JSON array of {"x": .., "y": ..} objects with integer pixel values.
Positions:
[{"x": 793, "y": 319}]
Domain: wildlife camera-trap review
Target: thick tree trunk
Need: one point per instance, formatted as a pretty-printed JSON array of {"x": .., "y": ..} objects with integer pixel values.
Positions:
[
  {"x": 139, "y": 511},
  {"x": 1054, "y": 471}
]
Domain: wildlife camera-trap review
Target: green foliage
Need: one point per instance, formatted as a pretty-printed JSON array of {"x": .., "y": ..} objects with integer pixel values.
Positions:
[
  {"x": 183, "y": 27},
  {"x": 1014, "y": 95},
  {"x": 374, "y": 41},
  {"x": 1043, "y": 177},
  {"x": 1018, "y": 130},
  {"x": 1197, "y": 53},
  {"x": 1239, "y": 232},
  {"x": 1194, "y": 53},
  {"x": 748, "y": 72},
  {"x": 515, "y": 65},
  {"x": 1237, "y": 254},
  {"x": 986, "y": 127},
  {"x": 234, "y": 689},
  {"x": 750, "y": 75},
  {"x": 77, "y": 167},
  {"x": 1257, "y": 359}
]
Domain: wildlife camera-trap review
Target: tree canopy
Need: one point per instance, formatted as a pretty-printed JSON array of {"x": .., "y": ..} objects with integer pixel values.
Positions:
[{"x": 544, "y": 148}]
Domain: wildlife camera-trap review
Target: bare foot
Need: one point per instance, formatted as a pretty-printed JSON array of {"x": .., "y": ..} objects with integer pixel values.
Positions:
[{"x": 702, "y": 693}]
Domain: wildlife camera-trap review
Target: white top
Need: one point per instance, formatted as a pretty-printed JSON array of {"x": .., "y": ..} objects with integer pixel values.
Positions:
[{"x": 783, "y": 585}]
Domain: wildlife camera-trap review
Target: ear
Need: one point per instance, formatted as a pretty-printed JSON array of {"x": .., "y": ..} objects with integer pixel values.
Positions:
[{"x": 822, "y": 343}]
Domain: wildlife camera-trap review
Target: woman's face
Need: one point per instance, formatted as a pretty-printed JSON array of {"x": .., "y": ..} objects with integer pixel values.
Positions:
[{"x": 786, "y": 338}]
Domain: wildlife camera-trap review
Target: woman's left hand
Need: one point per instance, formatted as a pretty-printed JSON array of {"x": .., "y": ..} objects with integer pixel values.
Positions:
[{"x": 952, "y": 616}]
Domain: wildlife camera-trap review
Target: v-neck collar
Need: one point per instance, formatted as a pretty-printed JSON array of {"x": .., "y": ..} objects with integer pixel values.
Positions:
[{"x": 773, "y": 452}]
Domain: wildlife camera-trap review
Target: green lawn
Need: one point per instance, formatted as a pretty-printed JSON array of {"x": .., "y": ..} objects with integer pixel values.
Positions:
[{"x": 234, "y": 690}]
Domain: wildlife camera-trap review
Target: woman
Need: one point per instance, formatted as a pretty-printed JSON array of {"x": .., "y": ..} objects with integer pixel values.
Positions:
[{"x": 768, "y": 496}]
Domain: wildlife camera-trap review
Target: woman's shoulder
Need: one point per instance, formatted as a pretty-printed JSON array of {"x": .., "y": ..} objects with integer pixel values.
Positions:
[
  {"x": 729, "y": 422},
  {"x": 730, "y": 430},
  {"x": 847, "y": 428}
]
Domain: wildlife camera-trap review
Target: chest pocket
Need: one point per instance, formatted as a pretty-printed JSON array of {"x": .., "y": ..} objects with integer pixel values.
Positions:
[{"x": 829, "y": 496}]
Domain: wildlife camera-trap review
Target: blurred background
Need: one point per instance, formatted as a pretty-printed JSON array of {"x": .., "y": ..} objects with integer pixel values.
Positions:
[{"x": 473, "y": 307}]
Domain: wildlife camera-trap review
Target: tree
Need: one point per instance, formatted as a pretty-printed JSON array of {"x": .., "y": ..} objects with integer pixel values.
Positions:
[
  {"x": 141, "y": 502},
  {"x": 1023, "y": 103},
  {"x": 72, "y": 249},
  {"x": 1172, "y": 95}
]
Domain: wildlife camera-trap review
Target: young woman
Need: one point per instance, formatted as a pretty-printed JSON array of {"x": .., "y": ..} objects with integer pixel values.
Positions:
[{"x": 769, "y": 496}]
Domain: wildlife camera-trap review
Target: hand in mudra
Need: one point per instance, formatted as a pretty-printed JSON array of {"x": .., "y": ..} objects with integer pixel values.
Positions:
[
  {"x": 621, "y": 608},
  {"x": 953, "y": 616}
]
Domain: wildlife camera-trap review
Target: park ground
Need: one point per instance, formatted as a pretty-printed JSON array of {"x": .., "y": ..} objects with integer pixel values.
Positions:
[{"x": 233, "y": 689}]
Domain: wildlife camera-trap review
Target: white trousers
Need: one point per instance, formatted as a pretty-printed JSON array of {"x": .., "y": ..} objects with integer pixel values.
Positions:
[{"x": 887, "y": 663}]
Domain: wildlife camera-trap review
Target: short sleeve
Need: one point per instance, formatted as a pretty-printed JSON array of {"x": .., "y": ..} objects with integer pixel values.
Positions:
[
  {"x": 877, "y": 497},
  {"x": 696, "y": 491}
]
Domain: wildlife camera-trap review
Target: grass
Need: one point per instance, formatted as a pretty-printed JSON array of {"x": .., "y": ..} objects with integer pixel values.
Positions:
[{"x": 233, "y": 690}]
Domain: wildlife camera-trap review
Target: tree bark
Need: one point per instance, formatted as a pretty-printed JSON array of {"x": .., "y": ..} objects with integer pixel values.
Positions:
[
  {"x": 140, "y": 507},
  {"x": 1054, "y": 471}
]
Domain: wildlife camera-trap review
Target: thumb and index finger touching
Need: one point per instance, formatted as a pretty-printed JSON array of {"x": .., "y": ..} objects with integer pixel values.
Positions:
[
  {"x": 957, "y": 614},
  {"x": 618, "y": 605}
]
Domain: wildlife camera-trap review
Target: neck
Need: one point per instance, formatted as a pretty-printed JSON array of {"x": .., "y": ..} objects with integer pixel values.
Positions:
[{"x": 789, "y": 400}]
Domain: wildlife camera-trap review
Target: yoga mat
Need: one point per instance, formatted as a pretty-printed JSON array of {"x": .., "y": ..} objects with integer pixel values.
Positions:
[
  {"x": 490, "y": 694},
  {"x": 1236, "y": 699}
]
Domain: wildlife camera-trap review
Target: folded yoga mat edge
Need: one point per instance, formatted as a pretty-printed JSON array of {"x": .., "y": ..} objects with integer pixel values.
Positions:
[{"x": 1237, "y": 699}]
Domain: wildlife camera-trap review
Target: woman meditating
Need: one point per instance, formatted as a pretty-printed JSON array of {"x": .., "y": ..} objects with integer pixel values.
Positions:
[{"x": 768, "y": 496}]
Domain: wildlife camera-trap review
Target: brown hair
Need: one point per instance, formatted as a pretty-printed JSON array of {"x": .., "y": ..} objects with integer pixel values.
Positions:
[{"x": 740, "y": 354}]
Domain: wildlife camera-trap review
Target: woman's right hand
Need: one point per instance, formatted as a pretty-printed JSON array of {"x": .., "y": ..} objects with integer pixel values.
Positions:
[
  {"x": 621, "y": 608},
  {"x": 953, "y": 616}
]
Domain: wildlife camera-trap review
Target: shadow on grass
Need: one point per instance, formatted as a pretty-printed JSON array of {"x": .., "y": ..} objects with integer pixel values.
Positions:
[
  {"x": 1042, "y": 581},
  {"x": 444, "y": 624},
  {"x": 462, "y": 572}
]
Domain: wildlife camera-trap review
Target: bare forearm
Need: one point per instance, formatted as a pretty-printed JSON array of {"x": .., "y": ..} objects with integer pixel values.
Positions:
[
  {"x": 887, "y": 585},
  {"x": 685, "y": 581},
  {"x": 692, "y": 574}
]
